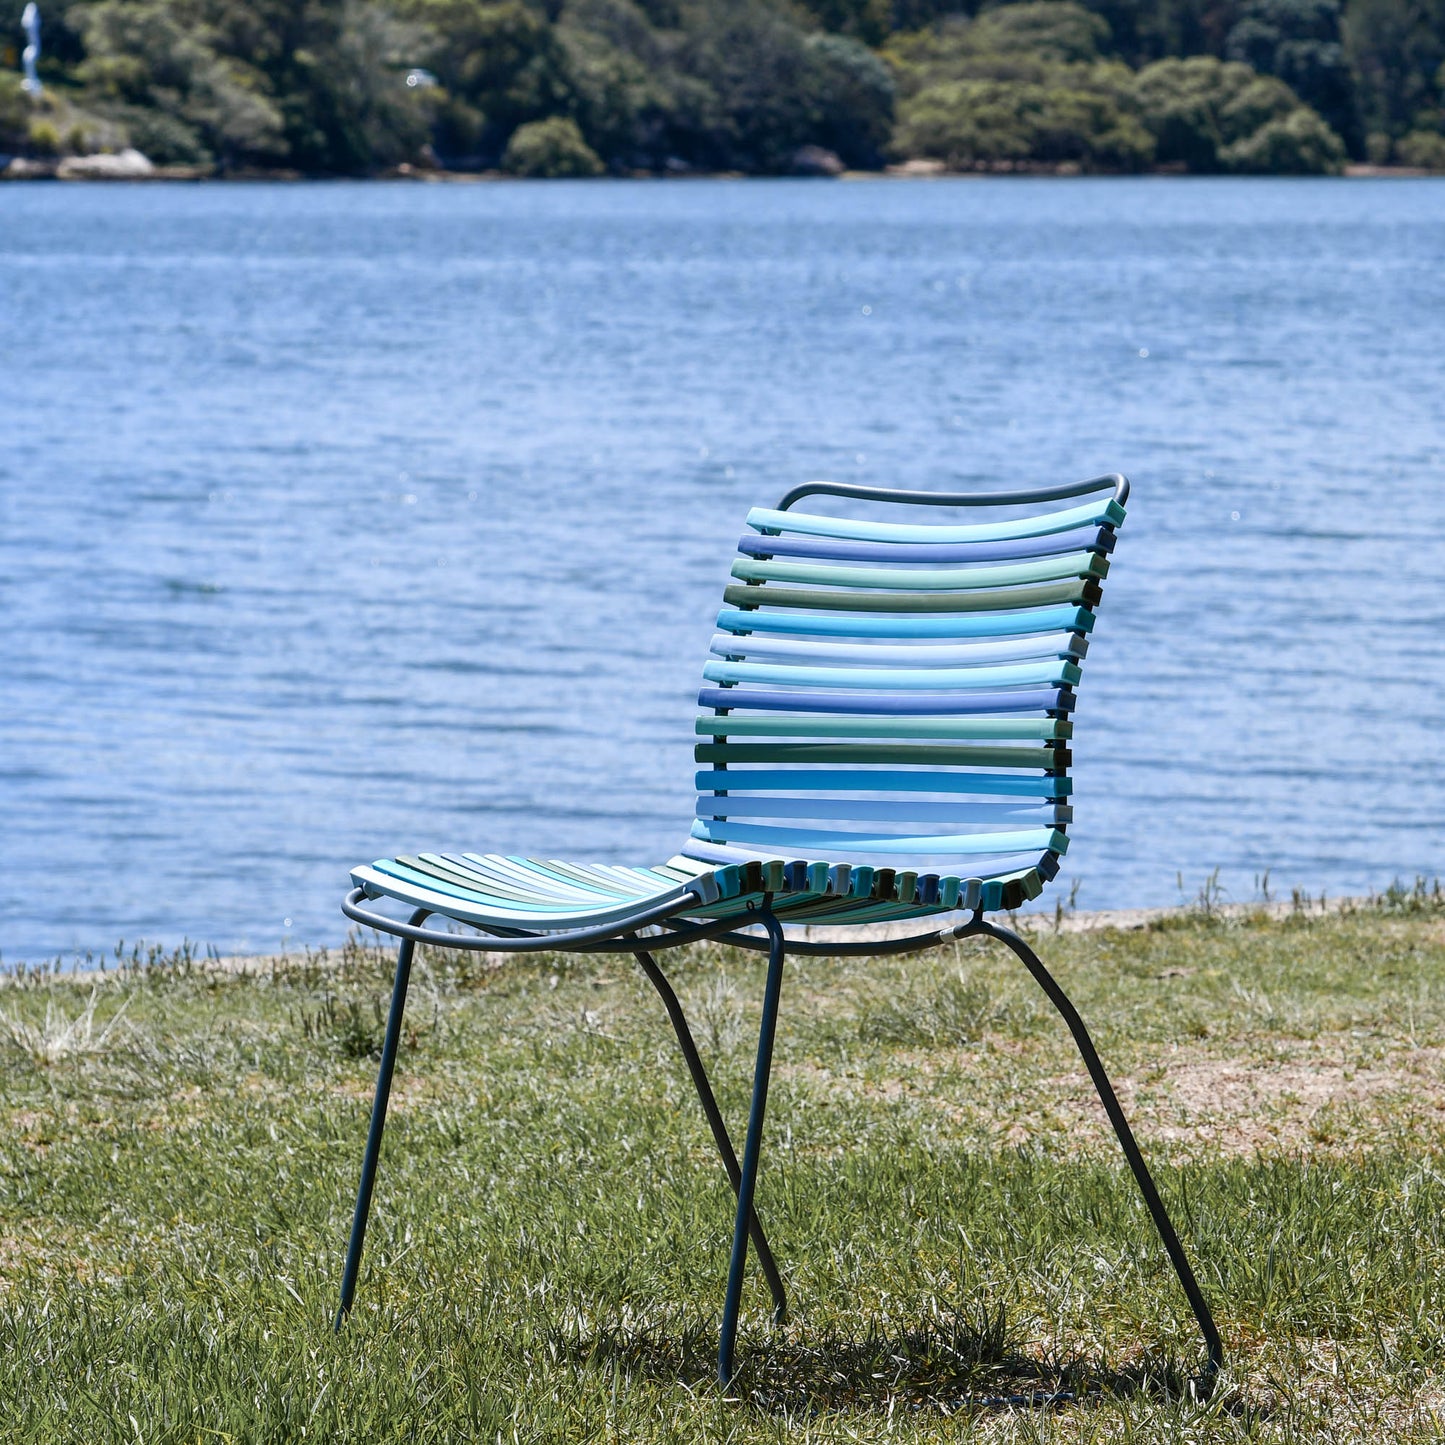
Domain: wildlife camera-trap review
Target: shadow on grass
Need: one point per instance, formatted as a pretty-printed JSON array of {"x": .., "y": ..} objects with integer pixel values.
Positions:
[{"x": 947, "y": 1368}]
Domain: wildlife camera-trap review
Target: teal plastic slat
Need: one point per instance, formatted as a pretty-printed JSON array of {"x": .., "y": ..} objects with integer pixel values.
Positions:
[
  {"x": 1052, "y": 673},
  {"x": 795, "y": 841},
  {"x": 968, "y": 624},
  {"x": 858, "y": 780}
]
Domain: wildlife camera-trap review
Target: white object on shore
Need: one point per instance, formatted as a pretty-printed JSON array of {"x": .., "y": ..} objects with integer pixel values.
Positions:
[
  {"x": 30, "y": 23},
  {"x": 126, "y": 165}
]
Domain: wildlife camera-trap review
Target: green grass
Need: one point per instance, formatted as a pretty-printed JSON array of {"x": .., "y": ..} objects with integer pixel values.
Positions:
[{"x": 549, "y": 1242}]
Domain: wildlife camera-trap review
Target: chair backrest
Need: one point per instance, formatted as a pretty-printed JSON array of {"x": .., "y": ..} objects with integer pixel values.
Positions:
[{"x": 886, "y": 711}]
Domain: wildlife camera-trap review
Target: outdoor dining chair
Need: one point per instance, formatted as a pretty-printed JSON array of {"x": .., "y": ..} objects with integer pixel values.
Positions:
[{"x": 884, "y": 736}]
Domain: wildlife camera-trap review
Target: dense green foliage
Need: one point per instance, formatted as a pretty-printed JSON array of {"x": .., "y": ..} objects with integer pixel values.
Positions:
[
  {"x": 360, "y": 86},
  {"x": 549, "y": 1239}
]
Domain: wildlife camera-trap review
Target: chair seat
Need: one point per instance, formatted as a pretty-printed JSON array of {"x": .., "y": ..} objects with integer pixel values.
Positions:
[{"x": 548, "y": 895}]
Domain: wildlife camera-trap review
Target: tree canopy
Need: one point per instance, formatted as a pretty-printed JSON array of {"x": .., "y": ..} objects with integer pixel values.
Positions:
[{"x": 583, "y": 87}]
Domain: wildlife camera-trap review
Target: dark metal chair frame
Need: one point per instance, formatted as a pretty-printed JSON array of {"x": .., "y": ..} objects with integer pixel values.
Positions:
[{"x": 660, "y": 927}]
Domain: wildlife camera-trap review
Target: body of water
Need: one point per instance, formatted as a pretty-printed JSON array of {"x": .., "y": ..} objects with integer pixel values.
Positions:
[{"x": 340, "y": 520}]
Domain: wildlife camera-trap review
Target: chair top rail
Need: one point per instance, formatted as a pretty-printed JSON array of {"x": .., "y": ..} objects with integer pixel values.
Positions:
[{"x": 1114, "y": 480}]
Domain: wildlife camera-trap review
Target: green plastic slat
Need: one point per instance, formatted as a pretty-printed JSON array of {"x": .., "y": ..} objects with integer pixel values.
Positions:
[
  {"x": 993, "y": 726},
  {"x": 1006, "y": 598},
  {"x": 939, "y": 579}
]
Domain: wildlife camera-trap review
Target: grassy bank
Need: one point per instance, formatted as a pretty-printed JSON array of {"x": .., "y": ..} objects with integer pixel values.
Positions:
[{"x": 548, "y": 1249}]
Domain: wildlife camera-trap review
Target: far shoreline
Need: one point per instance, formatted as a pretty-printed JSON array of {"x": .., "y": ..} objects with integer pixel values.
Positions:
[{"x": 21, "y": 170}]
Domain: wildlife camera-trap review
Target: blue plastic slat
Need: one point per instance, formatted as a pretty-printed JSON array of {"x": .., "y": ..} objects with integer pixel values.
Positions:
[
  {"x": 1025, "y": 700},
  {"x": 860, "y": 780},
  {"x": 1052, "y": 671},
  {"x": 914, "y": 654},
  {"x": 968, "y": 624},
  {"x": 837, "y": 550},
  {"x": 793, "y": 841},
  {"x": 898, "y": 809}
]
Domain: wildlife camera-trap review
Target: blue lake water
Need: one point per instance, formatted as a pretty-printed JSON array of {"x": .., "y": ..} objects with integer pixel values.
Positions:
[{"x": 338, "y": 520}]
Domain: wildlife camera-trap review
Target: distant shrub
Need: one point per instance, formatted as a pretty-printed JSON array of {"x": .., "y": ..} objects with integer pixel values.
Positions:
[
  {"x": 44, "y": 138},
  {"x": 14, "y": 113},
  {"x": 979, "y": 122},
  {"x": 1055, "y": 30},
  {"x": 1212, "y": 115},
  {"x": 851, "y": 98},
  {"x": 1422, "y": 148},
  {"x": 1300, "y": 144},
  {"x": 165, "y": 138},
  {"x": 550, "y": 149}
]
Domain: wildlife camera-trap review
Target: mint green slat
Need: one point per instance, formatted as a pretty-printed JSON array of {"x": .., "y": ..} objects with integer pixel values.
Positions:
[
  {"x": 578, "y": 879},
  {"x": 387, "y": 878},
  {"x": 993, "y": 726},
  {"x": 791, "y": 841},
  {"x": 395, "y": 869},
  {"x": 1044, "y": 594},
  {"x": 1051, "y": 671},
  {"x": 1042, "y": 524},
  {"x": 932, "y": 579},
  {"x": 858, "y": 781},
  {"x": 471, "y": 884},
  {"x": 940, "y": 755},
  {"x": 535, "y": 880}
]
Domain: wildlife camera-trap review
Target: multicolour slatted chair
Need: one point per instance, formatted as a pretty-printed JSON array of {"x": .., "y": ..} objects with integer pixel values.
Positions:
[{"x": 884, "y": 736}]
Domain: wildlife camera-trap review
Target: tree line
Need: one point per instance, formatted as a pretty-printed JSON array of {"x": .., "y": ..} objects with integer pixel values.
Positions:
[{"x": 587, "y": 87}]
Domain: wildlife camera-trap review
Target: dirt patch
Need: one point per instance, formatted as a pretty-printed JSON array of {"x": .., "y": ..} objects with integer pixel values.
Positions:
[
  {"x": 1320, "y": 1101},
  {"x": 1244, "y": 1107}
]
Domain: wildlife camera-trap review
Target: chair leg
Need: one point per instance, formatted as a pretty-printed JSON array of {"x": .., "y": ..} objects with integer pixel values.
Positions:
[
  {"x": 1142, "y": 1177},
  {"x": 748, "y": 1180},
  {"x": 378, "y": 1123},
  {"x": 715, "y": 1121}
]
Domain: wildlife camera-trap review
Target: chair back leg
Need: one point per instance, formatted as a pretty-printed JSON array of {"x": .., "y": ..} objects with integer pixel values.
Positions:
[
  {"x": 378, "y": 1121},
  {"x": 752, "y": 1148},
  {"x": 1110, "y": 1101},
  {"x": 720, "y": 1134}
]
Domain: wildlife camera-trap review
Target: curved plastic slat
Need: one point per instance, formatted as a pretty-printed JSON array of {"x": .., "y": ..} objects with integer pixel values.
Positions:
[
  {"x": 1044, "y": 594},
  {"x": 1092, "y": 538},
  {"x": 856, "y": 780},
  {"x": 923, "y": 754},
  {"x": 1104, "y": 512},
  {"x": 424, "y": 890},
  {"x": 888, "y": 703},
  {"x": 794, "y": 840},
  {"x": 1052, "y": 672},
  {"x": 916, "y": 654},
  {"x": 496, "y": 871},
  {"x": 884, "y": 810},
  {"x": 993, "y": 624},
  {"x": 931, "y": 579},
  {"x": 523, "y": 903},
  {"x": 995, "y": 726}
]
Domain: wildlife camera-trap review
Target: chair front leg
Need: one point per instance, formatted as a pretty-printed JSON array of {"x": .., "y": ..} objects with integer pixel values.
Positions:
[
  {"x": 378, "y": 1120},
  {"x": 1110, "y": 1101},
  {"x": 752, "y": 1148},
  {"x": 720, "y": 1134}
]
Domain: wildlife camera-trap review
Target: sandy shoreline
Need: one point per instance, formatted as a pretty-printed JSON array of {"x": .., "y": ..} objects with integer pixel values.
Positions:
[{"x": 47, "y": 170}]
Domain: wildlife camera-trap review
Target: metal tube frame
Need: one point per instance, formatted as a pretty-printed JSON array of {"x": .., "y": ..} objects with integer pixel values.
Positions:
[{"x": 671, "y": 934}]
